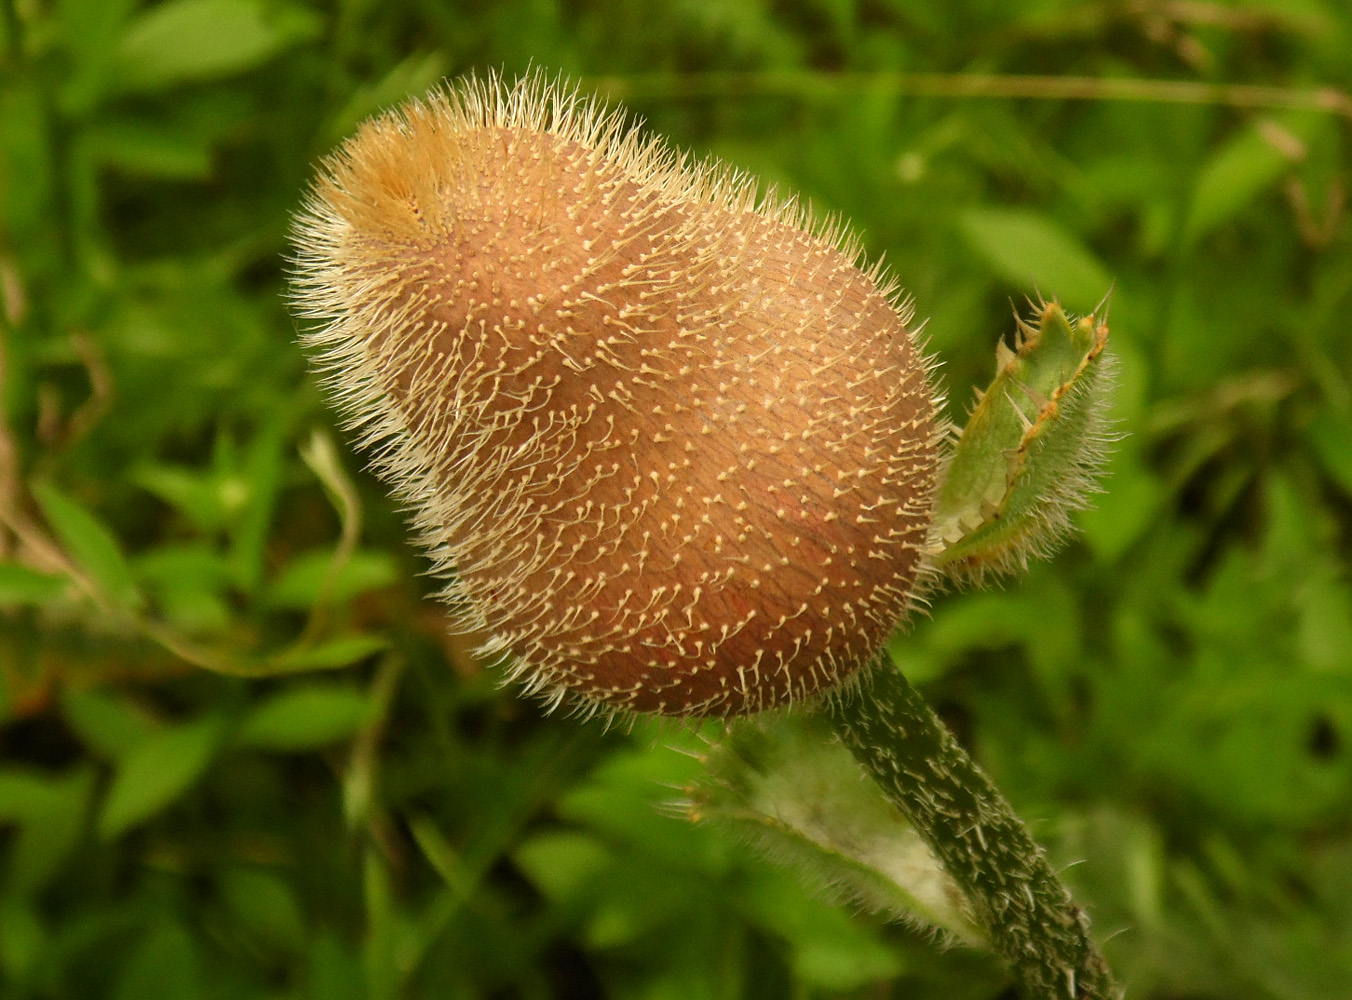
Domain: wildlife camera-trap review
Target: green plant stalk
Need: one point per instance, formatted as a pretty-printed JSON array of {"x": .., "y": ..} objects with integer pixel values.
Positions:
[{"x": 1029, "y": 916}]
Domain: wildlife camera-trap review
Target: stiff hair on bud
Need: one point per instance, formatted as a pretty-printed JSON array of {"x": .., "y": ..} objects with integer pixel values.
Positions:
[{"x": 671, "y": 446}]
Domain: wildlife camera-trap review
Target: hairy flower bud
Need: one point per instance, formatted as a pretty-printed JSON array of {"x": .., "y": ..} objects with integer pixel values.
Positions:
[{"x": 672, "y": 448}]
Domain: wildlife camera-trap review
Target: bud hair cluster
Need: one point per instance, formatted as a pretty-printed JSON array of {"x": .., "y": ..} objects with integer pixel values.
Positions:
[{"x": 671, "y": 447}]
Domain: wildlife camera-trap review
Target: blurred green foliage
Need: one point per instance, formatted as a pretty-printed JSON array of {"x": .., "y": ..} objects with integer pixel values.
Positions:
[{"x": 1170, "y": 701}]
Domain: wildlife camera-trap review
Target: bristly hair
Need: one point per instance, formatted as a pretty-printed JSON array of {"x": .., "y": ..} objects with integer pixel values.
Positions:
[{"x": 668, "y": 440}]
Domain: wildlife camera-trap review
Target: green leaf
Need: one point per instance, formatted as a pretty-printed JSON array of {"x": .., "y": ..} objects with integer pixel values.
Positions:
[
  {"x": 112, "y": 726},
  {"x": 829, "y": 950},
  {"x": 24, "y": 794},
  {"x": 417, "y": 74},
  {"x": 149, "y": 149},
  {"x": 335, "y": 970},
  {"x": 620, "y": 802},
  {"x": 264, "y": 904},
  {"x": 1236, "y": 174},
  {"x": 1331, "y": 437},
  {"x": 185, "y": 40},
  {"x": 198, "y": 494},
  {"x": 164, "y": 966},
  {"x": 1120, "y": 516},
  {"x": 263, "y": 468},
  {"x": 1038, "y": 255},
  {"x": 20, "y": 585},
  {"x": 93, "y": 547},
  {"x": 303, "y": 718},
  {"x": 300, "y": 584},
  {"x": 1324, "y": 629},
  {"x": 157, "y": 771},
  {"x": 563, "y": 864},
  {"x": 49, "y": 811},
  {"x": 380, "y": 948},
  {"x": 188, "y": 584},
  {"x": 339, "y": 652},
  {"x": 89, "y": 33},
  {"x": 26, "y": 151},
  {"x": 23, "y": 942}
]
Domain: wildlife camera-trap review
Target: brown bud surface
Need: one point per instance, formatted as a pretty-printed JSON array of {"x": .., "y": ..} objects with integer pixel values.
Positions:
[{"x": 672, "y": 448}]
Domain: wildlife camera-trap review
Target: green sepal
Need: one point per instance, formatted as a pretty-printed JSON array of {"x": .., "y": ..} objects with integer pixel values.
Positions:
[
  {"x": 787, "y": 786},
  {"x": 1032, "y": 450}
]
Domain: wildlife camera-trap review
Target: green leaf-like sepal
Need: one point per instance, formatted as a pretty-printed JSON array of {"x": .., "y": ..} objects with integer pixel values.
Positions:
[
  {"x": 800, "y": 797},
  {"x": 1032, "y": 450}
]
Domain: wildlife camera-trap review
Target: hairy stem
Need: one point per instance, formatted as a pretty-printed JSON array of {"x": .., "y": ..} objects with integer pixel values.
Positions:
[{"x": 1026, "y": 911}]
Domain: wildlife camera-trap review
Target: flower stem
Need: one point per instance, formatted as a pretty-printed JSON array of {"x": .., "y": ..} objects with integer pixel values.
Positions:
[{"x": 1026, "y": 911}]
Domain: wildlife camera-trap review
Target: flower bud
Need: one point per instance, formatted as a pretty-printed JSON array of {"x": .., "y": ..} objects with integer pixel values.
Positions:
[{"x": 673, "y": 450}]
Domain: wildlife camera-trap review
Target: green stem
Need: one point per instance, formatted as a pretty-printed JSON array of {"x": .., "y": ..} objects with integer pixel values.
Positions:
[{"x": 1026, "y": 911}]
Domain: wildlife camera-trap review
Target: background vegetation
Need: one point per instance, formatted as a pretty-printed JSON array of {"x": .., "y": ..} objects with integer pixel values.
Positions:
[{"x": 1170, "y": 701}]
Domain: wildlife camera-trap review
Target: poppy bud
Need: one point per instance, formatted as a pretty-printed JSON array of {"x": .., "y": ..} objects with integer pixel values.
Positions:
[{"x": 672, "y": 448}]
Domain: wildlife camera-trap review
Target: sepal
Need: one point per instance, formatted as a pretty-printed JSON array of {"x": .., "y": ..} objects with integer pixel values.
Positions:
[
  {"x": 784, "y": 784},
  {"x": 1033, "y": 449}
]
